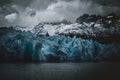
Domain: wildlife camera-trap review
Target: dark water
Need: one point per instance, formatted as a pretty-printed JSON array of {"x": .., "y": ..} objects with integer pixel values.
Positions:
[{"x": 60, "y": 71}]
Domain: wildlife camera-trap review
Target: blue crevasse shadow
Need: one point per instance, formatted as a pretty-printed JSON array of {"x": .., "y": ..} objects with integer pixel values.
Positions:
[{"x": 25, "y": 46}]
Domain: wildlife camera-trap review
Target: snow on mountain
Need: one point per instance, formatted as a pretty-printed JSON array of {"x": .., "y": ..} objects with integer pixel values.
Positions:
[
  {"x": 58, "y": 29},
  {"x": 63, "y": 41},
  {"x": 82, "y": 29},
  {"x": 86, "y": 25}
]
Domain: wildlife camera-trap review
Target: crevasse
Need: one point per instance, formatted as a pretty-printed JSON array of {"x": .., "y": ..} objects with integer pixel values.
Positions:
[{"x": 26, "y": 46}]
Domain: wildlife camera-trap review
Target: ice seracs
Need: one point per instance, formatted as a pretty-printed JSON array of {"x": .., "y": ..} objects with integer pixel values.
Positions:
[{"x": 17, "y": 45}]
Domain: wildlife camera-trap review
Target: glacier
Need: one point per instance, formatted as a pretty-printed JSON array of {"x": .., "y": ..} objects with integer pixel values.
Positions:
[{"x": 16, "y": 45}]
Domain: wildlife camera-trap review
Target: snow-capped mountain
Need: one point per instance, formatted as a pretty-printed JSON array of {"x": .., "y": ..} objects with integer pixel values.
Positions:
[
  {"x": 86, "y": 26},
  {"x": 63, "y": 41}
]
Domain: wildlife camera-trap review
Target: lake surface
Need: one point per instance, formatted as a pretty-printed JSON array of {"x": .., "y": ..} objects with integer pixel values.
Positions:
[{"x": 60, "y": 71}]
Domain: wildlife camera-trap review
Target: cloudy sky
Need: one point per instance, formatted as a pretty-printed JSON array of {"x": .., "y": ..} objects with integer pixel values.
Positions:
[{"x": 31, "y": 12}]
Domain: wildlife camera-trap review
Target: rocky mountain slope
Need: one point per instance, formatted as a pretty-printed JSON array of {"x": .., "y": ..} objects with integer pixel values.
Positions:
[{"x": 101, "y": 28}]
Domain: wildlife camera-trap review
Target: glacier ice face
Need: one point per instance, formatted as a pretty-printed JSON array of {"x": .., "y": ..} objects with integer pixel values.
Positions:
[{"x": 25, "y": 46}]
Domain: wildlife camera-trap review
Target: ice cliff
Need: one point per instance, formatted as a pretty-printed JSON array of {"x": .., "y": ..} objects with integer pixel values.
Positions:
[{"x": 16, "y": 45}]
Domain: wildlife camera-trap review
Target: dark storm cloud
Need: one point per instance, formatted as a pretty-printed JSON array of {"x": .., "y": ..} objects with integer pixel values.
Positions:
[
  {"x": 19, "y": 11},
  {"x": 4, "y": 2},
  {"x": 110, "y": 5},
  {"x": 45, "y": 3},
  {"x": 22, "y": 2},
  {"x": 108, "y": 2}
]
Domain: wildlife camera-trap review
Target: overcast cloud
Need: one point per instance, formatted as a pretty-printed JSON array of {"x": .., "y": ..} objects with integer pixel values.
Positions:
[{"x": 31, "y": 12}]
